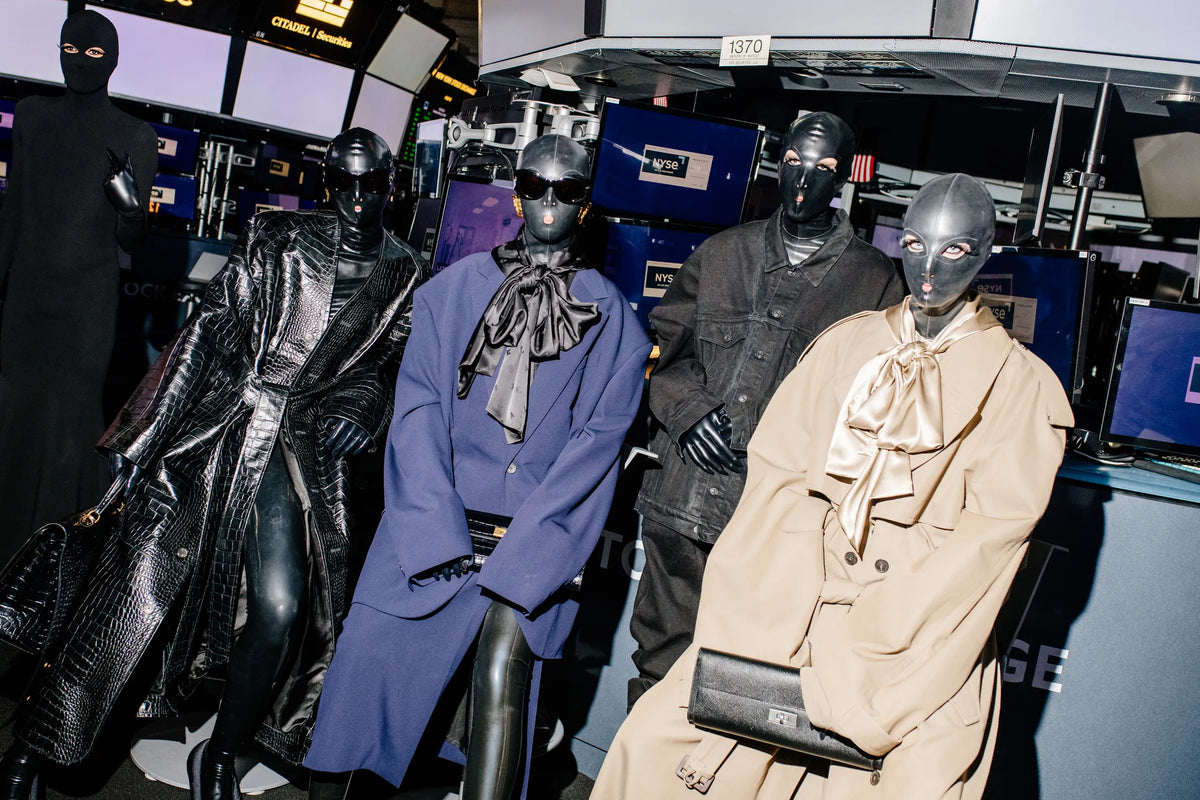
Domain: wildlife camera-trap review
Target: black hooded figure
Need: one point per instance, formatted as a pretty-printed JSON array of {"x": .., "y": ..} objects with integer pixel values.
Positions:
[
  {"x": 735, "y": 319},
  {"x": 232, "y": 453},
  {"x": 78, "y": 189}
]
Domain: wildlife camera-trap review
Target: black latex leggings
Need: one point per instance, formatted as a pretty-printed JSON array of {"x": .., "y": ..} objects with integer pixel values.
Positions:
[
  {"x": 276, "y": 574},
  {"x": 499, "y": 690}
]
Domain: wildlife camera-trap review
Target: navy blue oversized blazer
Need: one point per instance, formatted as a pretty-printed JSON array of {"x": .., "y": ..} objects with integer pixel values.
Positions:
[{"x": 445, "y": 454}]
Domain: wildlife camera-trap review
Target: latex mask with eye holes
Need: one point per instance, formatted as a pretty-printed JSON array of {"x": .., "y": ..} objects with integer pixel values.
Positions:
[
  {"x": 948, "y": 232},
  {"x": 814, "y": 163}
]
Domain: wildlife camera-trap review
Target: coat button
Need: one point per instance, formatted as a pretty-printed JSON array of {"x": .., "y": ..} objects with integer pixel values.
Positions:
[
  {"x": 696, "y": 529},
  {"x": 851, "y": 558},
  {"x": 760, "y": 355},
  {"x": 875, "y": 778},
  {"x": 776, "y": 313},
  {"x": 511, "y": 469},
  {"x": 181, "y": 553},
  {"x": 741, "y": 398},
  {"x": 728, "y": 337},
  {"x": 714, "y": 491},
  {"x": 881, "y": 566}
]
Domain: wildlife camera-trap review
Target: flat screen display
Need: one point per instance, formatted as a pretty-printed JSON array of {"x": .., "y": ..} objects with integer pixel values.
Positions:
[
  {"x": 215, "y": 15},
  {"x": 1154, "y": 392},
  {"x": 384, "y": 109},
  {"x": 252, "y": 201},
  {"x": 177, "y": 147},
  {"x": 336, "y": 30},
  {"x": 7, "y": 107},
  {"x": 642, "y": 261},
  {"x": 1043, "y": 299},
  {"x": 29, "y": 38},
  {"x": 669, "y": 166},
  {"x": 475, "y": 217},
  {"x": 312, "y": 100},
  {"x": 408, "y": 54},
  {"x": 169, "y": 64},
  {"x": 173, "y": 195},
  {"x": 1169, "y": 168}
]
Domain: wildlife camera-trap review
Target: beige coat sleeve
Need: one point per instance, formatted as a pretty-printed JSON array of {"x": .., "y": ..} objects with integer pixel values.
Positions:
[{"x": 909, "y": 642}]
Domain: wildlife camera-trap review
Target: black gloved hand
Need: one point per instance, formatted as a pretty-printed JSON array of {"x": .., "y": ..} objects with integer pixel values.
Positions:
[
  {"x": 344, "y": 438},
  {"x": 120, "y": 187},
  {"x": 454, "y": 568},
  {"x": 708, "y": 444}
]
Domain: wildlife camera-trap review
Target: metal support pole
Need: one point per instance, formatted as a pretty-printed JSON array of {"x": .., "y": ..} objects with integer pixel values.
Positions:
[{"x": 1090, "y": 180}]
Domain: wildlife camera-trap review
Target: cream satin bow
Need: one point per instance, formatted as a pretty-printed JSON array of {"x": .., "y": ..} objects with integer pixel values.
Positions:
[{"x": 893, "y": 408}]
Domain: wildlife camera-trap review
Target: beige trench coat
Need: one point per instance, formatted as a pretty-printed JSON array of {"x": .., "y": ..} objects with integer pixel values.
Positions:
[{"x": 895, "y": 645}]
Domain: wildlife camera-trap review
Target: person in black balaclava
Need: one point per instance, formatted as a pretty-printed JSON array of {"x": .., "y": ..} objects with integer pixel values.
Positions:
[
  {"x": 523, "y": 374},
  {"x": 737, "y": 315},
  {"x": 79, "y": 187},
  {"x": 232, "y": 456}
]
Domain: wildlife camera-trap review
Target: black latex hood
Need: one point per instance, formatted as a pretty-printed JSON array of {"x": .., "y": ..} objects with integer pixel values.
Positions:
[
  {"x": 551, "y": 217},
  {"x": 88, "y": 31},
  {"x": 948, "y": 232},
  {"x": 358, "y": 175},
  {"x": 807, "y": 187}
]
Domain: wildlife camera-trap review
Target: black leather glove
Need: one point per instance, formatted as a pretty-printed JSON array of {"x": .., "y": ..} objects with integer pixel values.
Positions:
[
  {"x": 455, "y": 568},
  {"x": 120, "y": 187},
  {"x": 707, "y": 444},
  {"x": 125, "y": 472},
  {"x": 344, "y": 438}
]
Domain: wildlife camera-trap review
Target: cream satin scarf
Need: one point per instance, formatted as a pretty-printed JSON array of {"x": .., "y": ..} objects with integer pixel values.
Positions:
[{"x": 893, "y": 408}]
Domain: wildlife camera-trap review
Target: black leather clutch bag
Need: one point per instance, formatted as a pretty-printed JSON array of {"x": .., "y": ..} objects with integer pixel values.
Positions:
[
  {"x": 486, "y": 531},
  {"x": 749, "y": 699}
]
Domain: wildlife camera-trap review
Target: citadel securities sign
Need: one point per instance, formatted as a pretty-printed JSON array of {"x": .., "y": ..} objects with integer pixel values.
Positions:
[{"x": 336, "y": 30}]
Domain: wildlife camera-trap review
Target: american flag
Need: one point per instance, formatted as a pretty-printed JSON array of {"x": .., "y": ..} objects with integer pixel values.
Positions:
[{"x": 862, "y": 170}]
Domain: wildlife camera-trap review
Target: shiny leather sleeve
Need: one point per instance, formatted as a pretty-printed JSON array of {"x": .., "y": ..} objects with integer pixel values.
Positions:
[{"x": 196, "y": 363}]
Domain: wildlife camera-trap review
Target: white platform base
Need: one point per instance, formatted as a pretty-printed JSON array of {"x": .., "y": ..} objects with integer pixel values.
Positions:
[{"x": 160, "y": 751}]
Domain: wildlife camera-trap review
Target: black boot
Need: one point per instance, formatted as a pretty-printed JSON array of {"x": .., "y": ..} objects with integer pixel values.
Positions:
[
  {"x": 19, "y": 774},
  {"x": 212, "y": 779},
  {"x": 329, "y": 785}
]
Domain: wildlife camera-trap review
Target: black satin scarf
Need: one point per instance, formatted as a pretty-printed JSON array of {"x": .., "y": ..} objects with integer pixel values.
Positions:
[{"x": 534, "y": 317}]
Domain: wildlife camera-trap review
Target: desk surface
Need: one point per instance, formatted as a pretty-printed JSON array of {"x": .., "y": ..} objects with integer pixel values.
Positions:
[{"x": 1129, "y": 479}]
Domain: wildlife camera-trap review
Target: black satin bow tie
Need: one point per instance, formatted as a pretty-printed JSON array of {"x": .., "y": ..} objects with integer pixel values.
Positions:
[{"x": 533, "y": 316}]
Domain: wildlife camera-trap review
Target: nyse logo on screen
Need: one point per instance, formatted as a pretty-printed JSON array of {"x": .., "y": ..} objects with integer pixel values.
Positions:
[
  {"x": 672, "y": 165},
  {"x": 659, "y": 275},
  {"x": 675, "y": 167}
]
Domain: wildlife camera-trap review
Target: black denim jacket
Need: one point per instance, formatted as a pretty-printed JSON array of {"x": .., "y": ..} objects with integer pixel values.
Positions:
[{"x": 730, "y": 328}]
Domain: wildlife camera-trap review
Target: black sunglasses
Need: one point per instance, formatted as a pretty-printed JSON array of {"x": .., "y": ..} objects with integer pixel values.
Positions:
[
  {"x": 375, "y": 181},
  {"x": 531, "y": 186}
]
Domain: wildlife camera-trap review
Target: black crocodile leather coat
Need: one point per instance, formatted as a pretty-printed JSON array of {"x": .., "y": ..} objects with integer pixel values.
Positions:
[{"x": 259, "y": 360}]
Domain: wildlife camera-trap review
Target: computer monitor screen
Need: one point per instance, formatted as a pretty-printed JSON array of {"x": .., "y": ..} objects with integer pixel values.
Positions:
[
  {"x": 315, "y": 99},
  {"x": 1154, "y": 392},
  {"x": 1169, "y": 169},
  {"x": 475, "y": 217},
  {"x": 1043, "y": 298},
  {"x": 666, "y": 165},
  {"x": 177, "y": 148},
  {"x": 29, "y": 39},
  {"x": 642, "y": 260},
  {"x": 384, "y": 109},
  {"x": 408, "y": 54},
  {"x": 7, "y": 107},
  {"x": 173, "y": 195},
  {"x": 279, "y": 169},
  {"x": 169, "y": 64}
]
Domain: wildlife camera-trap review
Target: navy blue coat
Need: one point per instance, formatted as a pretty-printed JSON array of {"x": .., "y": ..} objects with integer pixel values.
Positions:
[{"x": 402, "y": 643}]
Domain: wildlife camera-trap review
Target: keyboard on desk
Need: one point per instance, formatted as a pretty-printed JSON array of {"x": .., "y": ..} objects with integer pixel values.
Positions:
[{"x": 1177, "y": 466}]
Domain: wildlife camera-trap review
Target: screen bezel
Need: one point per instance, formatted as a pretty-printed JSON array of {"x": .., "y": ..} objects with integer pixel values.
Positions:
[
  {"x": 1087, "y": 261},
  {"x": 1114, "y": 380},
  {"x": 629, "y": 213}
]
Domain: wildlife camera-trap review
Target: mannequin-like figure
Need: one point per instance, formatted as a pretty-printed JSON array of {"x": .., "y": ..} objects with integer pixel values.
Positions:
[
  {"x": 79, "y": 184},
  {"x": 524, "y": 372},
  {"x": 948, "y": 231},
  {"x": 232, "y": 457},
  {"x": 731, "y": 325},
  {"x": 893, "y": 483}
]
